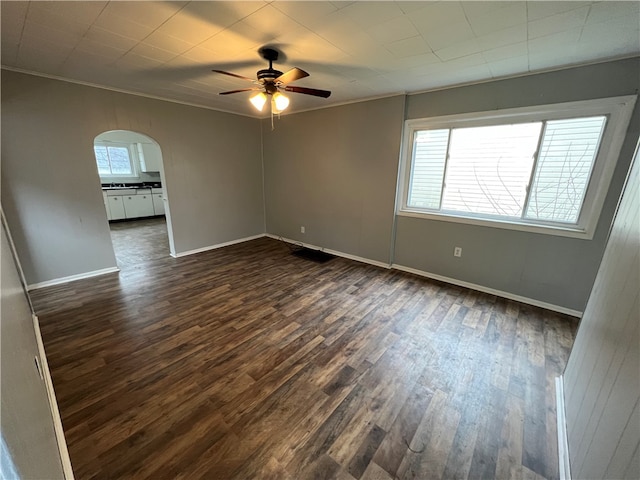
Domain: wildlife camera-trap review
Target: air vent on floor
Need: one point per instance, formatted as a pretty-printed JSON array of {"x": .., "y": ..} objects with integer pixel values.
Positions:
[{"x": 317, "y": 256}]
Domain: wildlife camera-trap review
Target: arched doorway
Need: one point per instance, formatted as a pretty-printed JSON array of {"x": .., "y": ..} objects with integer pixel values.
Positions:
[{"x": 131, "y": 173}]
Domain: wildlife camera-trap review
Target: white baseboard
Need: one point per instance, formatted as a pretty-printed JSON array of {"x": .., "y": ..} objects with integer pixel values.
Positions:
[
  {"x": 213, "y": 247},
  {"x": 332, "y": 252},
  {"x": 53, "y": 404},
  {"x": 71, "y": 278},
  {"x": 564, "y": 467},
  {"x": 492, "y": 291},
  {"x": 453, "y": 281}
]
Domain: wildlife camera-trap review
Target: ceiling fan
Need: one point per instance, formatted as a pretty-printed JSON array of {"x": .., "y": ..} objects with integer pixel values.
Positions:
[{"x": 270, "y": 82}]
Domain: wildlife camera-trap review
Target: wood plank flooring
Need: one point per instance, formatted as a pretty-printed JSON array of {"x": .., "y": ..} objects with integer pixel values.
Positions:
[
  {"x": 136, "y": 242},
  {"x": 250, "y": 363}
]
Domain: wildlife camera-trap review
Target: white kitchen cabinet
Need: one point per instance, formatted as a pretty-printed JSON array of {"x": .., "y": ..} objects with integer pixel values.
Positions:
[
  {"x": 150, "y": 157},
  {"x": 138, "y": 205},
  {"x": 158, "y": 203},
  {"x": 116, "y": 207}
]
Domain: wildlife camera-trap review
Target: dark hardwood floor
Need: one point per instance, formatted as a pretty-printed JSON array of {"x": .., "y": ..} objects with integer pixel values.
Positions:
[{"x": 250, "y": 363}]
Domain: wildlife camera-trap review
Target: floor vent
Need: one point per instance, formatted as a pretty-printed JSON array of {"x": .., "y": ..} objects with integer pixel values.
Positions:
[{"x": 313, "y": 255}]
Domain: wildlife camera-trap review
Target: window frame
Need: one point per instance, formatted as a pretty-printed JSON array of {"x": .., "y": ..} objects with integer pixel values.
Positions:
[
  {"x": 133, "y": 159},
  {"x": 618, "y": 111}
]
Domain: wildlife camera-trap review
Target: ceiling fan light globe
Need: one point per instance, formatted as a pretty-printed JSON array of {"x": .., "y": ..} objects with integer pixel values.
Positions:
[
  {"x": 258, "y": 100},
  {"x": 280, "y": 102}
]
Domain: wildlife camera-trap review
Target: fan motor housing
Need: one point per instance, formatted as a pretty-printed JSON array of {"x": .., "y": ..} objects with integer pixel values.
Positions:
[{"x": 268, "y": 74}]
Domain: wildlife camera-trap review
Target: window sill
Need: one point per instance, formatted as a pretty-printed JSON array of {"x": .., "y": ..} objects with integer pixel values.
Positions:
[{"x": 559, "y": 231}]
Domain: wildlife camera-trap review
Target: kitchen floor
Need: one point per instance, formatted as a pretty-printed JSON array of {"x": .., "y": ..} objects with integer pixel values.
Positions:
[{"x": 139, "y": 241}]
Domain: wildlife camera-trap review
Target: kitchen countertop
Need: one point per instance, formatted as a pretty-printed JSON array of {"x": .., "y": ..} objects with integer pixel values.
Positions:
[{"x": 129, "y": 186}]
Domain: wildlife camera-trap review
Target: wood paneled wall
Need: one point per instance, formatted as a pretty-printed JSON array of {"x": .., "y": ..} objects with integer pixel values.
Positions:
[
  {"x": 602, "y": 378},
  {"x": 26, "y": 421}
]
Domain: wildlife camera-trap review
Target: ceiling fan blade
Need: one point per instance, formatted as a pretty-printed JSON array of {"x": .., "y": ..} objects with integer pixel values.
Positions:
[
  {"x": 308, "y": 91},
  {"x": 233, "y": 75},
  {"x": 238, "y": 91},
  {"x": 291, "y": 76}
]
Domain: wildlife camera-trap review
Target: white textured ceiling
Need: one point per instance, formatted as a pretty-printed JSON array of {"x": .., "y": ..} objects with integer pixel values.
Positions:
[{"x": 357, "y": 50}]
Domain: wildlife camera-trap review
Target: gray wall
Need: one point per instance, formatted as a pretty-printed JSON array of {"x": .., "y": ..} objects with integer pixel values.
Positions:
[
  {"x": 334, "y": 171},
  {"x": 601, "y": 381},
  {"x": 25, "y": 417},
  {"x": 555, "y": 270},
  {"x": 51, "y": 189}
]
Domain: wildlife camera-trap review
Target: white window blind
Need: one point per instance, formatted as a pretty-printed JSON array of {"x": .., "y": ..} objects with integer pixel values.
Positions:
[
  {"x": 113, "y": 160},
  {"x": 429, "y": 157},
  {"x": 489, "y": 169},
  {"x": 565, "y": 163}
]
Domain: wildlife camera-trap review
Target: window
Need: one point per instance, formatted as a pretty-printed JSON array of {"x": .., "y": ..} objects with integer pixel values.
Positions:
[
  {"x": 544, "y": 169},
  {"x": 114, "y": 160}
]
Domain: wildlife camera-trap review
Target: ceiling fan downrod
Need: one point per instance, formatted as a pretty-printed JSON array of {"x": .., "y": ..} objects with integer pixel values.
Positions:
[{"x": 269, "y": 74}]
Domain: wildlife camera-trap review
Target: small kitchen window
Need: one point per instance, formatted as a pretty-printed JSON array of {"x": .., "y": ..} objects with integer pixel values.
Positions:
[{"x": 114, "y": 160}]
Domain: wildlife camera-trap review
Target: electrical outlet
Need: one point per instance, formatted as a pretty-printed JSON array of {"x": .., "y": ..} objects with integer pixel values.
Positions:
[
  {"x": 457, "y": 252},
  {"x": 302, "y": 229}
]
